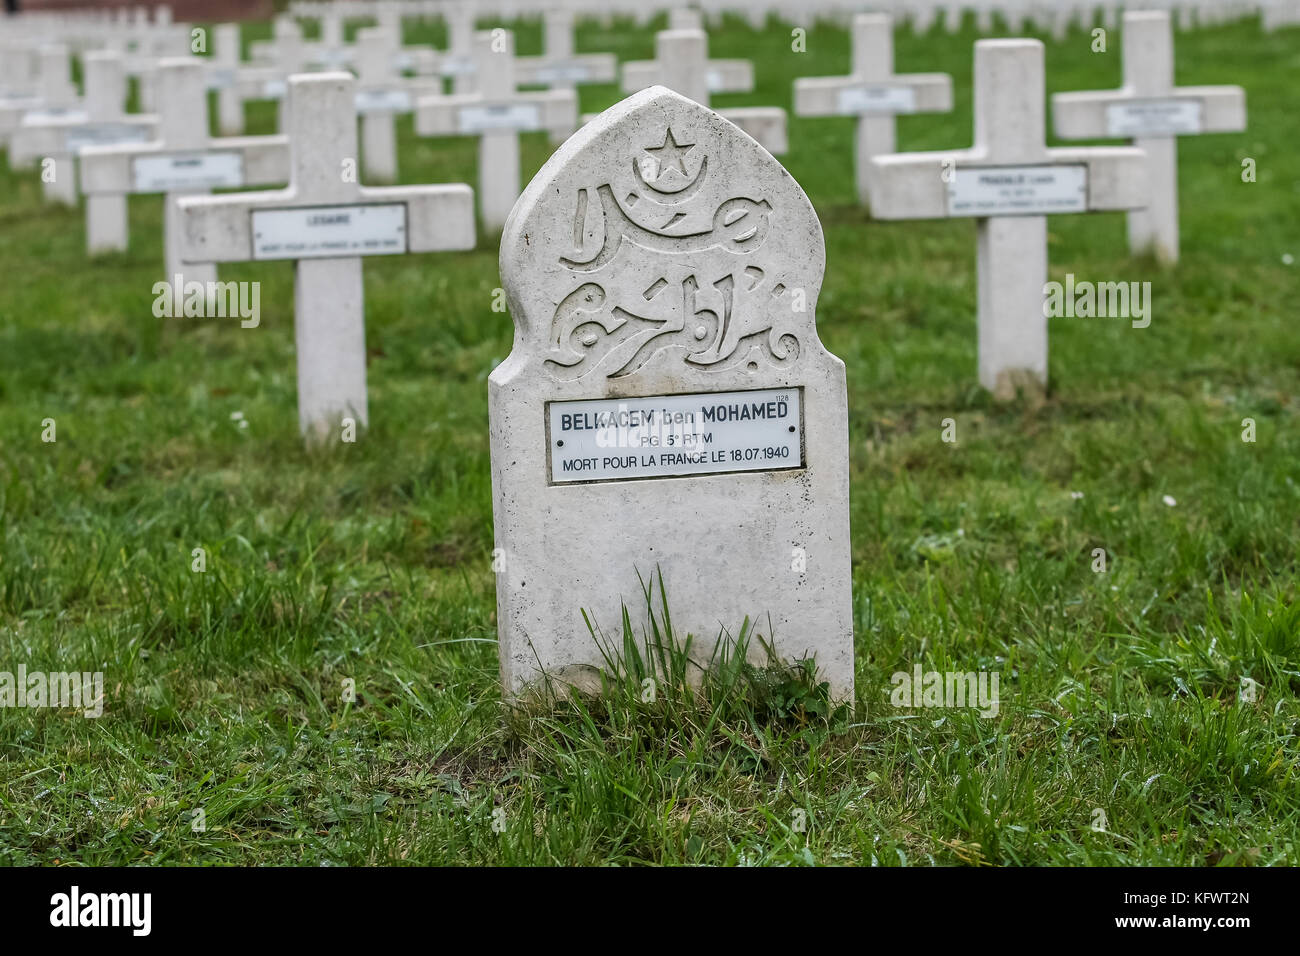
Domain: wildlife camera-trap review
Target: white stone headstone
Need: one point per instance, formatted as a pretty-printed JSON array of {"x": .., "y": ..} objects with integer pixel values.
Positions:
[
  {"x": 325, "y": 222},
  {"x": 667, "y": 407},
  {"x": 1152, "y": 112},
  {"x": 873, "y": 92},
  {"x": 1009, "y": 181}
]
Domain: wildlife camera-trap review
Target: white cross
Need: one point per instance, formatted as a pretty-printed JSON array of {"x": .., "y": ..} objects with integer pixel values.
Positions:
[
  {"x": 55, "y": 93},
  {"x": 326, "y": 221},
  {"x": 496, "y": 113},
  {"x": 682, "y": 64},
  {"x": 185, "y": 160},
  {"x": 1152, "y": 112},
  {"x": 382, "y": 93},
  {"x": 1009, "y": 181},
  {"x": 560, "y": 67},
  {"x": 874, "y": 92},
  {"x": 704, "y": 76},
  {"x": 286, "y": 52},
  {"x": 60, "y": 138}
]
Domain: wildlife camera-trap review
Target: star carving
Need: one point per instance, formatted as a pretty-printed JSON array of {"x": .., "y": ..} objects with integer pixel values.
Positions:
[{"x": 671, "y": 155}]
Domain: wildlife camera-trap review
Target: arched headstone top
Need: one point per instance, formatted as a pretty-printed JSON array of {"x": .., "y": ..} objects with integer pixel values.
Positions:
[{"x": 662, "y": 247}]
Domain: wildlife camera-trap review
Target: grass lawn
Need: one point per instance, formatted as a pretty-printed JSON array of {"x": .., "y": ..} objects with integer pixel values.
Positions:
[{"x": 372, "y": 562}]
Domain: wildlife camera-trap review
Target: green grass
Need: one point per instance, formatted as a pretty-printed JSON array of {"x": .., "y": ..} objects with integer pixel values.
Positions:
[{"x": 372, "y": 562}]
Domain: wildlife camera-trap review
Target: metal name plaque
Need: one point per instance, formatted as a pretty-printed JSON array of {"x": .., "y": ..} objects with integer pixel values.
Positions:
[
  {"x": 877, "y": 99},
  {"x": 675, "y": 436},
  {"x": 1018, "y": 190},
  {"x": 329, "y": 232},
  {"x": 383, "y": 101},
  {"x": 106, "y": 134},
  {"x": 512, "y": 116},
  {"x": 163, "y": 173},
  {"x": 1154, "y": 118}
]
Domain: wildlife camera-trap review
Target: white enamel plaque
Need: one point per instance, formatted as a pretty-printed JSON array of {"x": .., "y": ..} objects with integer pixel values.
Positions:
[
  {"x": 509, "y": 116},
  {"x": 274, "y": 89},
  {"x": 877, "y": 99},
  {"x": 563, "y": 73},
  {"x": 1153, "y": 118},
  {"x": 1018, "y": 190},
  {"x": 458, "y": 66},
  {"x": 383, "y": 101},
  {"x": 61, "y": 114},
  {"x": 715, "y": 81},
  {"x": 155, "y": 174},
  {"x": 106, "y": 134},
  {"x": 221, "y": 77},
  {"x": 329, "y": 232},
  {"x": 673, "y": 436}
]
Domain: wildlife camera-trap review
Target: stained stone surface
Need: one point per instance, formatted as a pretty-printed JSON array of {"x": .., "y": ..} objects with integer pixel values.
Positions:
[{"x": 663, "y": 253}]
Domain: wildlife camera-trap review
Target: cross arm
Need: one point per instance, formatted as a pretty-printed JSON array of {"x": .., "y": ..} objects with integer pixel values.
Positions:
[
  {"x": 721, "y": 76},
  {"x": 51, "y": 136},
  {"x": 554, "y": 110},
  {"x": 851, "y": 95},
  {"x": 917, "y": 185},
  {"x": 220, "y": 228},
  {"x": 108, "y": 169},
  {"x": 911, "y": 185},
  {"x": 1085, "y": 114},
  {"x": 1117, "y": 175},
  {"x": 764, "y": 124},
  {"x": 580, "y": 68}
]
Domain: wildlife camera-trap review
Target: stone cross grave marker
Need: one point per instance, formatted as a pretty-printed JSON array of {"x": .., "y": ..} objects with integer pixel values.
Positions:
[
  {"x": 382, "y": 93},
  {"x": 682, "y": 64},
  {"x": 56, "y": 97},
  {"x": 705, "y": 76},
  {"x": 1009, "y": 181},
  {"x": 185, "y": 161},
  {"x": 497, "y": 113},
  {"x": 325, "y": 222},
  {"x": 1152, "y": 112},
  {"x": 559, "y": 67},
  {"x": 61, "y": 138},
  {"x": 873, "y": 92},
  {"x": 667, "y": 406}
]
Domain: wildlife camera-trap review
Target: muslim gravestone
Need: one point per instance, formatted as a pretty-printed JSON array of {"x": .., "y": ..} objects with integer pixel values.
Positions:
[{"x": 668, "y": 407}]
